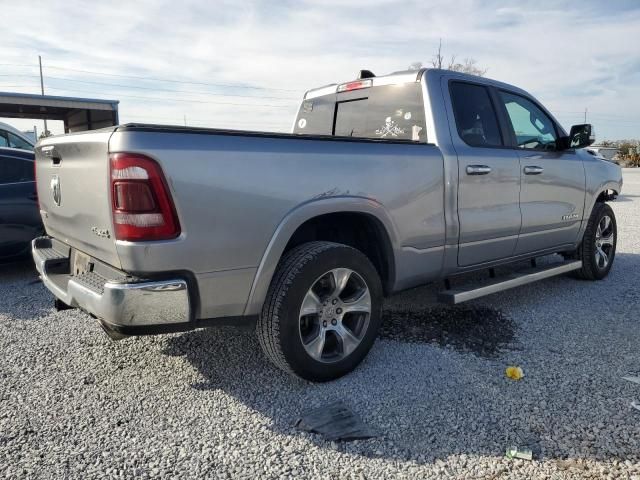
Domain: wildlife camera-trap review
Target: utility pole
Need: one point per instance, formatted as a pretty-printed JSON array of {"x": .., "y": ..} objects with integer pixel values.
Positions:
[
  {"x": 585, "y": 114},
  {"x": 46, "y": 130},
  {"x": 185, "y": 119}
]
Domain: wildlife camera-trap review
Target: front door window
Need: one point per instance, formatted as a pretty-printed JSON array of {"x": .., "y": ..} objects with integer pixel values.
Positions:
[{"x": 532, "y": 127}]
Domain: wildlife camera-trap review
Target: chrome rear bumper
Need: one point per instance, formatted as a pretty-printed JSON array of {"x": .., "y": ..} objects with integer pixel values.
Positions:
[{"x": 121, "y": 301}]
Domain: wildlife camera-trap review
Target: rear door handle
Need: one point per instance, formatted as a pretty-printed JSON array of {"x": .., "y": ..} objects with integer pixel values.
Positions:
[
  {"x": 478, "y": 169},
  {"x": 533, "y": 170}
]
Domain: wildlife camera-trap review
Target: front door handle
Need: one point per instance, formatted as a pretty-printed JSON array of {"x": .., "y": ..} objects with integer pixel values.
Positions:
[
  {"x": 533, "y": 170},
  {"x": 478, "y": 169}
]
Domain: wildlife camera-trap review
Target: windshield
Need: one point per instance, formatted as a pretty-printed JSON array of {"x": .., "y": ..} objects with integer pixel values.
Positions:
[{"x": 393, "y": 112}]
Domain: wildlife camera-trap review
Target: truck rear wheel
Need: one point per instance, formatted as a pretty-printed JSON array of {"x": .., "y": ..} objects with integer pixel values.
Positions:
[
  {"x": 322, "y": 311},
  {"x": 598, "y": 247}
]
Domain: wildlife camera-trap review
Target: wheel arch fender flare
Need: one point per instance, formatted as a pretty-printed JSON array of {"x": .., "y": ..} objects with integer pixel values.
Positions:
[
  {"x": 591, "y": 199},
  {"x": 293, "y": 220},
  {"x": 599, "y": 192}
]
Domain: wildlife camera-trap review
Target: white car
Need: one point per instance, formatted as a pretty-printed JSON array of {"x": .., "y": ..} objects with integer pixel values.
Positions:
[{"x": 13, "y": 138}]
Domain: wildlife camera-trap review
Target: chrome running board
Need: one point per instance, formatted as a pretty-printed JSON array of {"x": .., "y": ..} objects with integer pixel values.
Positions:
[{"x": 453, "y": 296}]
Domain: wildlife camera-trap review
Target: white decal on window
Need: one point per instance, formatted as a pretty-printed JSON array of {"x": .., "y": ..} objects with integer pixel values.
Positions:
[
  {"x": 407, "y": 116},
  {"x": 302, "y": 123},
  {"x": 390, "y": 127},
  {"x": 415, "y": 133}
]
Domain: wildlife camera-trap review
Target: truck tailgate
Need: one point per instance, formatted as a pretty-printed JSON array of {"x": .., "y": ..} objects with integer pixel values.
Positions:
[{"x": 72, "y": 174}]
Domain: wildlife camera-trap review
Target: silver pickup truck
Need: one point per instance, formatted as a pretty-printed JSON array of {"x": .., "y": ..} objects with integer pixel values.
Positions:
[{"x": 385, "y": 183}]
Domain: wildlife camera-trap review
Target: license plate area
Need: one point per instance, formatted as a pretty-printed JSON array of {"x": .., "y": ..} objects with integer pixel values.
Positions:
[{"x": 81, "y": 263}]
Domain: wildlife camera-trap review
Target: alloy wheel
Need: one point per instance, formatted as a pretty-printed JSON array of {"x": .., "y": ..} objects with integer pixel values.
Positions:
[
  {"x": 335, "y": 315},
  {"x": 604, "y": 242}
]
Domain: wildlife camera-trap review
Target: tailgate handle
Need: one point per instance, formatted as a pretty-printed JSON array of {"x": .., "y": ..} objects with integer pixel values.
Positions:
[{"x": 51, "y": 152}]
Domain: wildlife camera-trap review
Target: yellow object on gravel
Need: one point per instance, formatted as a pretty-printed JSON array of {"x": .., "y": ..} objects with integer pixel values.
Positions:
[{"x": 514, "y": 373}]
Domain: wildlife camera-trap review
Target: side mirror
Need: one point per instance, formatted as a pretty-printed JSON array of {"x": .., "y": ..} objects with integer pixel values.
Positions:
[{"x": 581, "y": 136}]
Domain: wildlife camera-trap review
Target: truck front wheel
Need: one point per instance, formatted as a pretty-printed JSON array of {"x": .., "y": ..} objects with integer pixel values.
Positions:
[
  {"x": 322, "y": 311},
  {"x": 598, "y": 247}
]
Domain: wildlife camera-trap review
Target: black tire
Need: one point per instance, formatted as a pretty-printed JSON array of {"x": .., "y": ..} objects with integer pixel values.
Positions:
[
  {"x": 279, "y": 326},
  {"x": 592, "y": 269}
]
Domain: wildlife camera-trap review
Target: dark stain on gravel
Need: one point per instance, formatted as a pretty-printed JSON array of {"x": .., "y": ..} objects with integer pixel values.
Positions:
[{"x": 481, "y": 330}]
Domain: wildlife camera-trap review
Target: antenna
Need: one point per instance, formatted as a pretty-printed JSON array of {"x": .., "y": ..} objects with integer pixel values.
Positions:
[{"x": 365, "y": 74}]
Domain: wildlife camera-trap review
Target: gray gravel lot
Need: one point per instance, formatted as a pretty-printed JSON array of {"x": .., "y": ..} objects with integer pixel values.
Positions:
[{"x": 203, "y": 404}]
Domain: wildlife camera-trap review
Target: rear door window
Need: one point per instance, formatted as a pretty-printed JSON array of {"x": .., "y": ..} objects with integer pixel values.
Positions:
[
  {"x": 316, "y": 116},
  {"x": 351, "y": 118},
  {"x": 476, "y": 119},
  {"x": 392, "y": 112},
  {"x": 17, "y": 142}
]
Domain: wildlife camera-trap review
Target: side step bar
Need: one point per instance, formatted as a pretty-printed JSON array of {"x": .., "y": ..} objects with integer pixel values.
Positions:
[{"x": 454, "y": 296}]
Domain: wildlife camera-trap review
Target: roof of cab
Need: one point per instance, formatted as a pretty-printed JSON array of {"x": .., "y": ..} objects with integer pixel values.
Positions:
[
  {"x": 392, "y": 78},
  {"x": 407, "y": 76}
]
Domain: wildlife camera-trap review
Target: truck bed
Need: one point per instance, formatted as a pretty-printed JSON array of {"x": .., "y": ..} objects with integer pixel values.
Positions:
[{"x": 232, "y": 191}]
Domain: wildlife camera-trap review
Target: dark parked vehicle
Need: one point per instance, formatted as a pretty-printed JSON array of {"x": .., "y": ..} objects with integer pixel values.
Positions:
[
  {"x": 19, "y": 216},
  {"x": 11, "y": 137}
]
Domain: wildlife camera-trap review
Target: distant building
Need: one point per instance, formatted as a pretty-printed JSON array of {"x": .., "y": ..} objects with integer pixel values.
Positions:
[{"x": 78, "y": 114}]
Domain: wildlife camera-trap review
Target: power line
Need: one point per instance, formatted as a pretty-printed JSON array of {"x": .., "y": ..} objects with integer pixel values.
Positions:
[
  {"x": 159, "y": 99},
  {"x": 49, "y": 77},
  {"x": 17, "y": 86},
  {"x": 621, "y": 121},
  {"x": 156, "y": 99},
  {"x": 591, "y": 113},
  {"x": 169, "y": 90},
  {"x": 183, "y": 100},
  {"x": 155, "y": 79}
]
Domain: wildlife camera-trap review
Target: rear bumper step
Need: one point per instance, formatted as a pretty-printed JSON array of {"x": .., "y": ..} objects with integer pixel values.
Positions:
[
  {"x": 116, "y": 299},
  {"x": 454, "y": 296}
]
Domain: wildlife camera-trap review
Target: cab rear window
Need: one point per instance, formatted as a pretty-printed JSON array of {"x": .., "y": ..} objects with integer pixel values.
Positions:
[{"x": 392, "y": 112}]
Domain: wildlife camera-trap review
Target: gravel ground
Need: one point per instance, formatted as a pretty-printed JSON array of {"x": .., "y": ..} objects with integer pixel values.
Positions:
[{"x": 203, "y": 404}]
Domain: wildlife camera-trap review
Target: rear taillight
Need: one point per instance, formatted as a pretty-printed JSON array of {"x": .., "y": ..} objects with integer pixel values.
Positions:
[{"x": 140, "y": 200}]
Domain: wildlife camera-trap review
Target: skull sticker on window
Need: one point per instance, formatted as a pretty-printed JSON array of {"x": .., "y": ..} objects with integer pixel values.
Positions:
[{"x": 390, "y": 128}]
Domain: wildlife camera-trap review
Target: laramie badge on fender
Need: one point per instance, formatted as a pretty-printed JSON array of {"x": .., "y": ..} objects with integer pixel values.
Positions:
[{"x": 55, "y": 189}]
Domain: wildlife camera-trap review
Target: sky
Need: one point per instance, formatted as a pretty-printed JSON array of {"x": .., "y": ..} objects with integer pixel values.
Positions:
[{"x": 246, "y": 64}]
